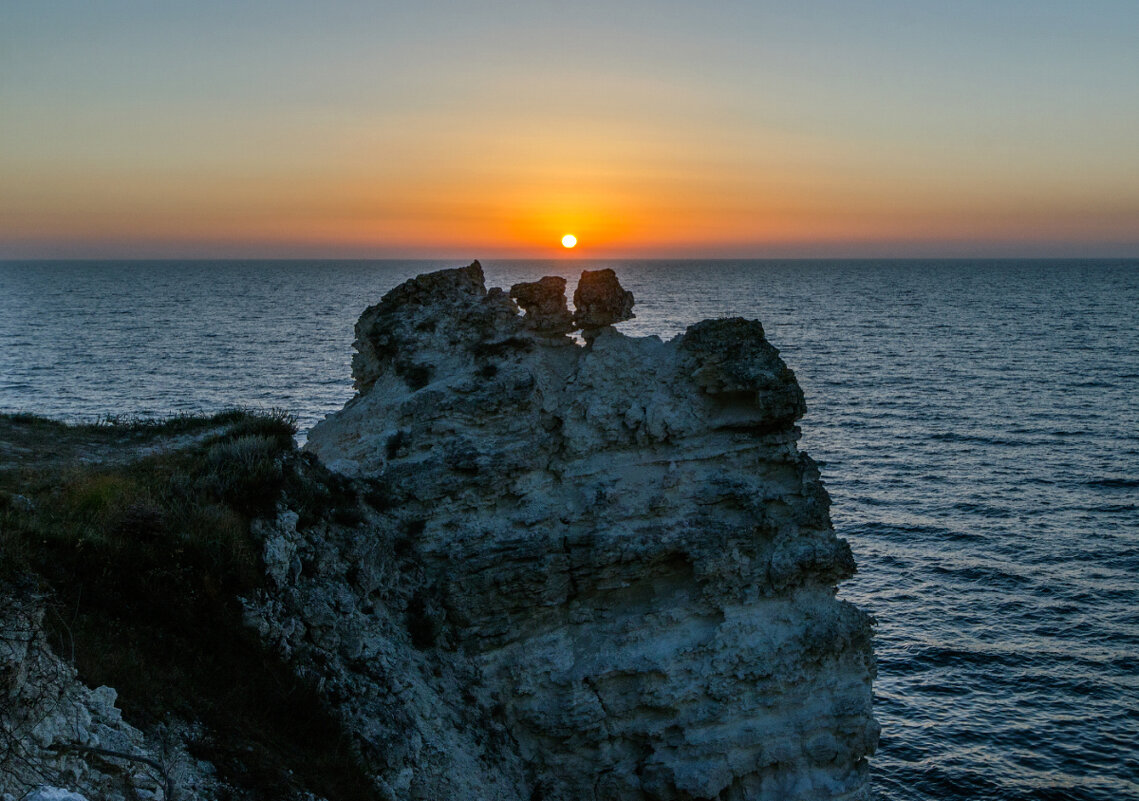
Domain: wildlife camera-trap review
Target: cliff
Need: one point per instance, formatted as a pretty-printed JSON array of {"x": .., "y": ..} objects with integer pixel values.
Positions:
[
  {"x": 622, "y": 539},
  {"x": 543, "y": 569}
]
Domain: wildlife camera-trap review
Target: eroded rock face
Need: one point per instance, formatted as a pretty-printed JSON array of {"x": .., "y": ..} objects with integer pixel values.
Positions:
[
  {"x": 63, "y": 741},
  {"x": 544, "y": 302},
  {"x": 599, "y": 300},
  {"x": 616, "y": 571}
]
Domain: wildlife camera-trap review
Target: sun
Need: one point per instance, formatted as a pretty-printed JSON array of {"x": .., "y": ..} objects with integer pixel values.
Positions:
[{"x": 569, "y": 240}]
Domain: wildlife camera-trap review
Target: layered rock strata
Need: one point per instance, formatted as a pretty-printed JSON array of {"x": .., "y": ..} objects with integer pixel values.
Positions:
[{"x": 599, "y": 572}]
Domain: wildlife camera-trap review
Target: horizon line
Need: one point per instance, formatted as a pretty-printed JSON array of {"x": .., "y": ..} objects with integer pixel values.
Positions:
[{"x": 564, "y": 257}]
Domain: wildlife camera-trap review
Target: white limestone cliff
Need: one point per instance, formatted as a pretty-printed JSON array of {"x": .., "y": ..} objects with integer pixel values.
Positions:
[{"x": 599, "y": 572}]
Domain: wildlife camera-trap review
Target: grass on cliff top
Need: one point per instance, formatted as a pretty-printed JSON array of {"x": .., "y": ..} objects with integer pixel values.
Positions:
[
  {"x": 27, "y": 440},
  {"x": 140, "y": 533}
]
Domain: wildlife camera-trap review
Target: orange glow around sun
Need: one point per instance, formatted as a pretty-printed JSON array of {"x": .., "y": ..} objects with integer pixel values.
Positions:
[{"x": 569, "y": 240}]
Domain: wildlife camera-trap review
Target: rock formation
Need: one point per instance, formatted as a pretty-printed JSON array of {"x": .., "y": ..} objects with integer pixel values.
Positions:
[
  {"x": 544, "y": 302},
  {"x": 599, "y": 572},
  {"x": 56, "y": 731},
  {"x": 599, "y": 300},
  {"x": 544, "y": 571}
]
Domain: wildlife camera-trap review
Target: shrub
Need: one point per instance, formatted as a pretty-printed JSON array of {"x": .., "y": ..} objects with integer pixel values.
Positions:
[{"x": 245, "y": 471}]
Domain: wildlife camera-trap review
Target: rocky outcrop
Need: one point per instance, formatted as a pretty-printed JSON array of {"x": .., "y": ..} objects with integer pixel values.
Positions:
[
  {"x": 545, "y": 570},
  {"x": 544, "y": 302},
  {"x": 599, "y": 301},
  {"x": 57, "y": 735},
  {"x": 599, "y": 572}
]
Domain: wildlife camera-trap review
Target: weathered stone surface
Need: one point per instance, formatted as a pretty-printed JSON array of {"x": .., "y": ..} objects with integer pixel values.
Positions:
[
  {"x": 59, "y": 738},
  {"x": 599, "y": 300},
  {"x": 600, "y": 572},
  {"x": 544, "y": 302},
  {"x": 46, "y": 793},
  {"x": 437, "y": 309}
]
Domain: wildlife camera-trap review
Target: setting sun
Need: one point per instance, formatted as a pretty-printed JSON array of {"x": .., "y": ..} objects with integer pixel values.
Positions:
[{"x": 569, "y": 240}]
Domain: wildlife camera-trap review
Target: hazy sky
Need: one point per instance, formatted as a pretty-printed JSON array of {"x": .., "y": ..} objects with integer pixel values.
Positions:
[{"x": 645, "y": 128}]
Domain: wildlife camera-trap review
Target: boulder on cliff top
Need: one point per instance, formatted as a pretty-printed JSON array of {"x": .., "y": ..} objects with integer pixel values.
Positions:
[
  {"x": 600, "y": 300},
  {"x": 544, "y": 302}
]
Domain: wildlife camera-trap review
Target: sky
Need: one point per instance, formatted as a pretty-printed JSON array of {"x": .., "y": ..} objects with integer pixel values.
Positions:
[{"x": 490, "y": 129}]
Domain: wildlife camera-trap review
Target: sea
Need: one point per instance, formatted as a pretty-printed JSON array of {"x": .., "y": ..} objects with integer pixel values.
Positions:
[{"x": 977, "y": 423}]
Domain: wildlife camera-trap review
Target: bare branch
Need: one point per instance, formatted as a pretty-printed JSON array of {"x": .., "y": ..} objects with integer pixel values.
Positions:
[{"x": 106, "y": 752}]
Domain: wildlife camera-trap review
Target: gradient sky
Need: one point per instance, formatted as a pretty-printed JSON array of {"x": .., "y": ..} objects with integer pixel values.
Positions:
[{"x": 751, "y": 129}]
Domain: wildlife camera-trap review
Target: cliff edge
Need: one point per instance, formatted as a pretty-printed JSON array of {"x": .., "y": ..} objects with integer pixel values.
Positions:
[{"x": 618, "y": 571}]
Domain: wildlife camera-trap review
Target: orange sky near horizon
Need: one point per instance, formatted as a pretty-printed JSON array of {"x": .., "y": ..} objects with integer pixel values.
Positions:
[
  {"x": 619, "y": 194},
  {"x": 753, "y": 153}
]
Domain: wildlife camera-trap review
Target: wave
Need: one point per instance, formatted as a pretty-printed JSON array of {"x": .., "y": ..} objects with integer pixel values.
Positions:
[{"x": 1113, "y": 483}]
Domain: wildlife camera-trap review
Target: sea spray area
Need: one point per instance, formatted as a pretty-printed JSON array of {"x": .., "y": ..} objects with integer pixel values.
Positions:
[{"x": 975, "y": 420}]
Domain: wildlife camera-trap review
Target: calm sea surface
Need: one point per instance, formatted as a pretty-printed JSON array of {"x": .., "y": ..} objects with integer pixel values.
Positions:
[{"x": 978, "y": 421}]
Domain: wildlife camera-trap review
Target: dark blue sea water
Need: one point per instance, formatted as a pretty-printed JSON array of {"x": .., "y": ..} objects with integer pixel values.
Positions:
[{"x": 978, "y": 421}]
